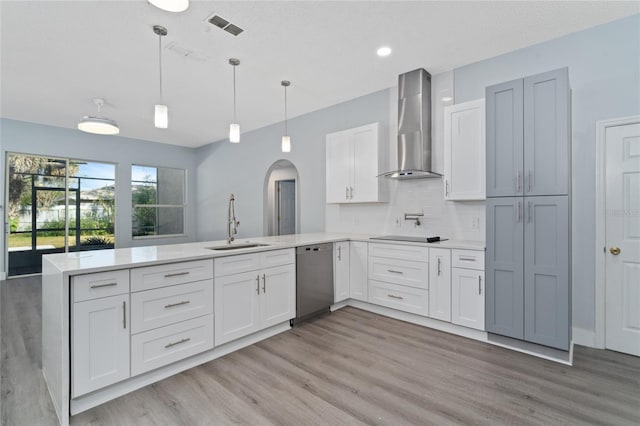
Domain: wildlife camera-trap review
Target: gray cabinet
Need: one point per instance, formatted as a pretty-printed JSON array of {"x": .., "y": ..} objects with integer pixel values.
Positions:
[
  {"x": 528, "y": 135},
  {"x": 528, "y": 226},
  {"x": 546, "y": 271},
  {"x": 504, "y": 267}
]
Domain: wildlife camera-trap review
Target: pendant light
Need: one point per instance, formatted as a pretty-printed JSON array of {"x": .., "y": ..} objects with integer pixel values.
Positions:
[
  {"x": 171, "y": 5},
  {"x": 234, "y": 128},
  {"x": 286, "y": 140},
  {"x": 161, "y": 115},
  {"x": 97, "y": 124}
]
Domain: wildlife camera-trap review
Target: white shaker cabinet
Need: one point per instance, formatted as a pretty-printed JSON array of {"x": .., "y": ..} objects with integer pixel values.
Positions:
[
  {"x": 277, "y": 295},
  {"x": 236, "y": 302},
  {"x": 440, "y": 284},
  {"x": 358, "y": 280},
  {"x": 467, "y": 289},
  {"x": 464, "y": 151},
  {"x": 354, "y": 159},
  {"x": 340, "y": 271},
  {"x": 100, "y": 343}
]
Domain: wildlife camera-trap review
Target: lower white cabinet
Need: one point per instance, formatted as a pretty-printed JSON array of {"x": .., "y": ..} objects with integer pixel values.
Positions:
[
  {"x": 254, "y": 300},
  {"x": 358, "y": 280},
  {"x": 401, "y": 297},
  {"x": 440, "y": 284},
  {"x": 340, "y": 271},
  {"x": 100, "y": 343},
  {"x": 467, "y": 291}
]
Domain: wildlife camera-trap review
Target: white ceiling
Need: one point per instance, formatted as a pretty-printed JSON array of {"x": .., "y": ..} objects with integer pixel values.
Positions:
[{"x": 57, "y": 56}]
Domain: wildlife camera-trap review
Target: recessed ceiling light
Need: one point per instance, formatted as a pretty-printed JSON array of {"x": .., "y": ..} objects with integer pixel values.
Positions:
[
  {"x": 384, "y": 51},
  {"x": 171, "y": 5}
]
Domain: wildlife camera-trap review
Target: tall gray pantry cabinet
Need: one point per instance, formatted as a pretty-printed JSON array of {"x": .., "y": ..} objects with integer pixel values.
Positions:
[{"x": 528, "y": 287}]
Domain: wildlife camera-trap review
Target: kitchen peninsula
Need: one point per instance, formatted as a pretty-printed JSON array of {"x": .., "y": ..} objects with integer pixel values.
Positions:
[{"x": 117, "y": 320}]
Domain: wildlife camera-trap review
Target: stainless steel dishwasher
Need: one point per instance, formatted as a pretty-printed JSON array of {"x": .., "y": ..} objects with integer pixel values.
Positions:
[{"x": 314, "y": 280}]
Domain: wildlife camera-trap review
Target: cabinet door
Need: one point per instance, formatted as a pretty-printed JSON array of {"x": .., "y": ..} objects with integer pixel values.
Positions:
[
  {"x": 547, "y": 133},
  {"x": 364, "y": 180},
  {"x": 546, "y": 271},
  {"x": 100, "y": 343},
  {"x": 440, "y": 284},
  {"x": 236, "y": 306},
  {"x": 504, "y": 267},
  {"x": 504, "y": 124},
  {"x": 339, "y": 164},
  {"x": 467, "y": 298},
  {"x": 277, "y": 295},
  {"x": 464, "y": 151},
  {"x": 341, "y": 271},
  {"x": 358, "y": 286}
]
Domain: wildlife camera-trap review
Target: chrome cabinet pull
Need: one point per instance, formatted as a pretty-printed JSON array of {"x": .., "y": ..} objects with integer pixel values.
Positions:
[
  {"x": 346, "y": 194},
  {"x": 467, "y": 259},
  {"x": 104, "y": 285},
  {"x": 395, "y": 272},
  {"x": 438, "y": 266},
  {"x": 518, "y": 181},
  {"x": 171, "y": 305},
  {"x": 529, "y": 181},
  {"x": 529, "y": 212},
  {"x": 446, "y": 188},
  {"x": 124, "y": 314},
  {"x": 185, "y": 340},
  {"x": 479, "y": 284},
  {"x": 264, "y": 283},
  {"x": 339, "y": 252},
  {"x": 395, "y": 297},
  {"x": 176, "y": 274},
  {"x": 518, "y": 212},
  {"x": 258, "y": 284},
  {"x": 351, "y": 192}
]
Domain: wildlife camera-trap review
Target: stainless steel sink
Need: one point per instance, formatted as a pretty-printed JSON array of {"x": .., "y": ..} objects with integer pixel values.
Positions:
[{"x": 236, "y": 247}]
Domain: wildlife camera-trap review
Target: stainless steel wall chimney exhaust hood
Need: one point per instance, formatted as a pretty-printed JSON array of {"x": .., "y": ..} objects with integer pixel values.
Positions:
[{"x": 414, "y": 127}]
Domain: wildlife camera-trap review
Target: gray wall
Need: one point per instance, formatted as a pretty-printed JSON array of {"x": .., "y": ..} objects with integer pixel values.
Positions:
[
  {"x": 31, "y": 138},
  {"x": 225, "y": 168},
  {"x": 604, "y": 73}
]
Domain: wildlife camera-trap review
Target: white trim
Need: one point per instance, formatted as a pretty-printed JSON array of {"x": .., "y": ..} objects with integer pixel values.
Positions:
[
  {"x": 3, "y": 276},
  {"x": 601, "y": 130},
  {"x": 583, "y": 337}
]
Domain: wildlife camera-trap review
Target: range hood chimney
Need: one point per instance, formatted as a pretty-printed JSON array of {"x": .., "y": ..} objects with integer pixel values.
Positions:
[{"x": 414, "y": 127}]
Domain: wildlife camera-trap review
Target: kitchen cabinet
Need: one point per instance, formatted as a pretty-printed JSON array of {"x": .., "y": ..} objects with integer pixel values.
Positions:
[
  {"x": 354, "y": 159},
  {"x": 358, "y": 286},
  {"x": 464, "y": 151},
  {"x": 468, "y": 289},
  {"x": 440, "y": 284},
  {"x": 528, "y": 136},
  {"x": 341, "y": 271},
  {"x": 253, "y": 300},
  {"x": 100, "y": 343}
]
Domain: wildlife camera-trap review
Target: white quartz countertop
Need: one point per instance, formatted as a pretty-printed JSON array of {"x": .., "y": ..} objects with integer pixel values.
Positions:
[{"x": 103, "y": 260}]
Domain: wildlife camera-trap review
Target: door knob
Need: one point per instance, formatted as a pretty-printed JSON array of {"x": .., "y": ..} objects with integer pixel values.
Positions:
[{"x": 615, "y": 251}]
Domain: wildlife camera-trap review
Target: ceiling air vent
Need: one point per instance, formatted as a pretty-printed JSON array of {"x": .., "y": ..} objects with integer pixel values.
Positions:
[{"x": 222, "y": 23}]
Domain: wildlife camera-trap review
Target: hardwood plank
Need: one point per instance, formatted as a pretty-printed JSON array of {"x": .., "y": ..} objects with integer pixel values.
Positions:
[{"x": 351, "y": 367}]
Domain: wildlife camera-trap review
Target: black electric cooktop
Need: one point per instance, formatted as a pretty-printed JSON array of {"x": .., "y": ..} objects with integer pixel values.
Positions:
[{"x": 410, "y": 239}]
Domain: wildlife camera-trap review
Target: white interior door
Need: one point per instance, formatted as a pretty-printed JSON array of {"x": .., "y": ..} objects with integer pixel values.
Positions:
[{"x": 623, "y": 238}]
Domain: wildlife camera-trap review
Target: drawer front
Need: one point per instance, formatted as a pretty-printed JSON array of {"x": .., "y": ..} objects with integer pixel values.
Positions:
[
  {"x": 100, "y": 284},
  {"x": 230, "y": 265},
  {"x": 272, "y": 258},
  {"x": 402, "y": 298},
  {"x": 151, "y": 277},
  {"x": 403, "y": 272},
  {"x": 163, "y": 306},
  {"x": 468, "y": 259},
  {"x": 172, "y": 343},
  {"x": 399, "y": 251}
]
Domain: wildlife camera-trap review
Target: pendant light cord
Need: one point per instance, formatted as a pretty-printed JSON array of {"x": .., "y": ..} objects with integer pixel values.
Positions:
[
  {"x": 234, "y": 95},
  {"x": 160, "y": 65},
  {"x": 286, "y": 131}
]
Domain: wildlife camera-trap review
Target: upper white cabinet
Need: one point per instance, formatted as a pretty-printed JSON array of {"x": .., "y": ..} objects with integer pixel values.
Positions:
[
  {"x": 355, "y": 157},
  {"x": 464, "y": 151}
]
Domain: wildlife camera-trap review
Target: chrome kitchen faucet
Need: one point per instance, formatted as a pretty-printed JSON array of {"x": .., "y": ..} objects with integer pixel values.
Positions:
[{"x": 232, "y": 223}]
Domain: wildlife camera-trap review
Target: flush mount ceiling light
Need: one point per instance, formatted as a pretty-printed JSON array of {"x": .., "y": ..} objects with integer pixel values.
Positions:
[
  {"x": 171, "y": 5},
  {"x": 161, "y": 115},
  {"x": 286, "y": 140},
  {"x": 234, "y": 128},
  {"x": 97, "y": 124},
  {"x": 384, "y": 51}
]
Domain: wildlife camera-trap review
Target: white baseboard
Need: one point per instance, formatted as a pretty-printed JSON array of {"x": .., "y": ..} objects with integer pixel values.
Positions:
[
  {"x": 583, "y": 337},
  {"x": 3, "y": 276}
]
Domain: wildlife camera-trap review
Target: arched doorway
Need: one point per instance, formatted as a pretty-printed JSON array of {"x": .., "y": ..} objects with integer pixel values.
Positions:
[{"x": 281, "y": 200}]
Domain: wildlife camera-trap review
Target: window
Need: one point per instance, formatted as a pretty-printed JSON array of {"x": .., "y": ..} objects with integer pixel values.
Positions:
[{"x": 158, "y": 199}]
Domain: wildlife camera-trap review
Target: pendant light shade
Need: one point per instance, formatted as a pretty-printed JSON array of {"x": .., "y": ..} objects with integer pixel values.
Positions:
[
  {"x": 97, "y": 124},
  {"x": 234, "y": 128},
  {"x": 161, "y": 113},
  {"x": 286, "y": 140},
  {"x": 171, "y": 5}
]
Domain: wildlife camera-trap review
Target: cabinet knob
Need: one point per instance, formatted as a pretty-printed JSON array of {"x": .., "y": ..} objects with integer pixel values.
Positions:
[{"x": 615, "y": 251}]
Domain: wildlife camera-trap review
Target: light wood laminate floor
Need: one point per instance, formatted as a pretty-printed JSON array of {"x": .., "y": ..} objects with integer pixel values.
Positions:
[{"x": 349, "y": 367}]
